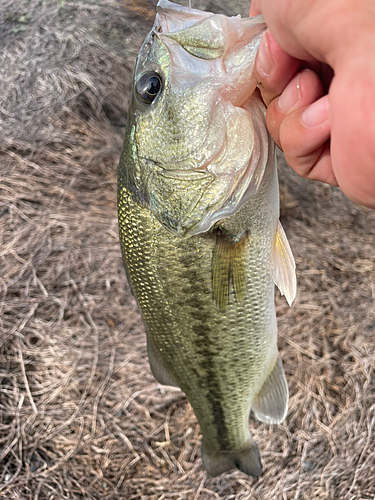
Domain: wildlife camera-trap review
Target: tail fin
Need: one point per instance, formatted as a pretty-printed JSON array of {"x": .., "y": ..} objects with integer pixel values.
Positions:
[{"x": 246, "y": 460}]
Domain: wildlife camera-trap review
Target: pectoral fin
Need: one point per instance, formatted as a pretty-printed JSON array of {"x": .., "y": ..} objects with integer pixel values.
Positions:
[
  {"x": 284, "y": 270},
  {"x": 228, "y": 269},
  {"x": 157, "y": 365},
  {"x": 270, "y": 405}
]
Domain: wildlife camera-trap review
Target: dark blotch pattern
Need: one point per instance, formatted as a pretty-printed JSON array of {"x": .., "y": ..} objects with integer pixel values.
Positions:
[{"x": 202, "y": 330}]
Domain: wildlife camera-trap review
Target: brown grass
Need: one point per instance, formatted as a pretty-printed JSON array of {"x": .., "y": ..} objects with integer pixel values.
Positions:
[{"x": 81, "y": 416}]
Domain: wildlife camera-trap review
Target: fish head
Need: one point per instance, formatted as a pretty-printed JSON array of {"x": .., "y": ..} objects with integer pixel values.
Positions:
[{"x": 196, "y": 146}]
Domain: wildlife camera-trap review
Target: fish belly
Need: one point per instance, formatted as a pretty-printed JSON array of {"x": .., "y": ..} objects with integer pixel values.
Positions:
[{"x": 220, "y": 357}]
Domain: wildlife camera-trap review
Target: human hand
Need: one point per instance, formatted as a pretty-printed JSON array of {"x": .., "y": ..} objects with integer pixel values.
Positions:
[{"x": 327, "y": 132}]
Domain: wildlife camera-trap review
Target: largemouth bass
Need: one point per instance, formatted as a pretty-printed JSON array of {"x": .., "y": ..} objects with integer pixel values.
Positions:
[{"x": 198, "y": 216}]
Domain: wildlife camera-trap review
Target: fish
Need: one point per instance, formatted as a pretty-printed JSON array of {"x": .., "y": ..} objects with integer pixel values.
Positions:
[{"x": 198, "y": 211}]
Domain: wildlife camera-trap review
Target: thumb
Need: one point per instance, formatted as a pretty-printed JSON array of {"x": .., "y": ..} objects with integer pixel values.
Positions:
[
  {"x": 254, "y": 8},
  {"x": 274, "y": 68}
]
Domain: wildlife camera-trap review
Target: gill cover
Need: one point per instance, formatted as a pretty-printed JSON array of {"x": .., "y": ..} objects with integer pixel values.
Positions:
[{"x": 199, "y": 148}]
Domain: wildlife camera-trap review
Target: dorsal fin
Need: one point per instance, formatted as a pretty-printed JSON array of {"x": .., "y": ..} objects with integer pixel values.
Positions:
[
  {"x": 270, "y": 405},
  {"x": 284, "y": 267}
]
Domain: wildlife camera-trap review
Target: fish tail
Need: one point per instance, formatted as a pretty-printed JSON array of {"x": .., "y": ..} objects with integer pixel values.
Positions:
[{"x": 246, "y": 459}]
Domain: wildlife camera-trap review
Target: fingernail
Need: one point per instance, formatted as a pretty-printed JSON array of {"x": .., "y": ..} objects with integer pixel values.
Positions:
[
  {"x": 264, "y": 60},
  {"x": 290, "y": 96},
  {"x": 316, "y": 113}
]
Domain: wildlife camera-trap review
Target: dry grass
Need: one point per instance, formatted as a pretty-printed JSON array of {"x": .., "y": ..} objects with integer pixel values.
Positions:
[{"x": 81, "y": 416}]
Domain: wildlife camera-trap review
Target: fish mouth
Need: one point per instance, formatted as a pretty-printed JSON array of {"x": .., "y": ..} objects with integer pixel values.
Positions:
[
  {"x": 171, "y": 17},
  {"x": 228, "y": 178},
  {"x": 168, "y": 171},
  {"x": 207, "y": 64}
]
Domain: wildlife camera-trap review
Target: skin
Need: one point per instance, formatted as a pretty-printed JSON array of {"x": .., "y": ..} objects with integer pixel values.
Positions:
[{"x": 325, "y": 124}]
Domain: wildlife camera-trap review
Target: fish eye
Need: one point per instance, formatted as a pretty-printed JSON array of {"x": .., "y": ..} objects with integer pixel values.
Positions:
[{"x": 149, "y": 86}]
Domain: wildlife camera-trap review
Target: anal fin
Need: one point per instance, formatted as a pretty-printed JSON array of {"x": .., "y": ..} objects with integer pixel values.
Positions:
[
  {"x": 157, "y": 365},
  {"x": 270, "y": 405},
  {"x": 284, "y": 270}
]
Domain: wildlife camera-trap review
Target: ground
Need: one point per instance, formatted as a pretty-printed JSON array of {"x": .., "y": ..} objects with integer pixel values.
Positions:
[{"x": 81, "y": 416}]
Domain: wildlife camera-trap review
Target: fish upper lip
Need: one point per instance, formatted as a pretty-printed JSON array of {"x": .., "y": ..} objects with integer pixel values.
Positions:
[
  {"x": 200, "y": 170},
  {"x": 164, "y": 168}
]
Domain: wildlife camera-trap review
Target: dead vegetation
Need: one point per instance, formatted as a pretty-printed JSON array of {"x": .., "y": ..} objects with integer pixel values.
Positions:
[{"x": 81, "y": 416}]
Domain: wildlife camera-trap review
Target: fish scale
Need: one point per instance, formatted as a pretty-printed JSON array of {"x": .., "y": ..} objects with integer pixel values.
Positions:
[
  {"x": 171, "y": 278},
  {"x": 205, "y": 282}
]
